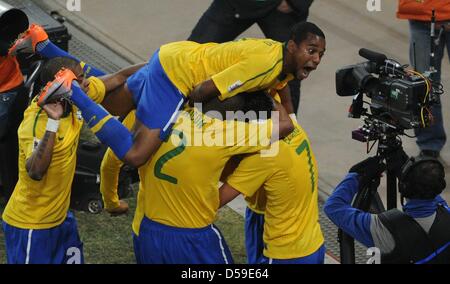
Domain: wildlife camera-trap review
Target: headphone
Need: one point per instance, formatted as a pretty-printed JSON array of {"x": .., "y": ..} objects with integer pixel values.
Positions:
[{"x": 410, "y": 164}]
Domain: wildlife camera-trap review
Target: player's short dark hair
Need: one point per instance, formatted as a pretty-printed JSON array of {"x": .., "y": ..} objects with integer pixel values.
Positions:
[
  {"x": 53, "y": 66},
  {"x": 302, "y": 30},
  {"x": 425, "y": 181},
  {"x": 258, "y": 102},
  {"x": 253, "y": 101},
  {"x": 234, "y": 104}
]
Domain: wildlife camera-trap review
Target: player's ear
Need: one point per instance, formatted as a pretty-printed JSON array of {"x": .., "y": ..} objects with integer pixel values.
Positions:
[{"x": 291, "y": 46}]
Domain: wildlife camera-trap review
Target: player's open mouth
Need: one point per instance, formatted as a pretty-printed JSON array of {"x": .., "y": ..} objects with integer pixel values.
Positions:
[{"x": 306, "y": 71}]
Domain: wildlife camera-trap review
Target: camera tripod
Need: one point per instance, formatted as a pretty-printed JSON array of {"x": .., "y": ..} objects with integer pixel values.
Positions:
[{"x": 368, "y": 198}]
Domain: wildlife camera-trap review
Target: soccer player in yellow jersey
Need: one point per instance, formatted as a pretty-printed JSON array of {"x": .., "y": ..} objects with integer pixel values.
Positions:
[
  {"x": 282, "y": 219},
  {"x": 38, "y": 227},
  {"x": 198, "y": 72},
  {"x": 179, "y": 198}
]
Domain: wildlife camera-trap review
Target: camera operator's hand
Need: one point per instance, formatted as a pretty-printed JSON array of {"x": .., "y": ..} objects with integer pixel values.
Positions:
[
  {"x": 369, "y": 169},
  {"x": 396, "y": 160}
]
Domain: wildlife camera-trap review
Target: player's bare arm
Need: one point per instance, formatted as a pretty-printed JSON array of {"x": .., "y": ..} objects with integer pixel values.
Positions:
[
  {"x": 37, "y": 165},
  {"x": 285, "y": 126},
  {"x": 144, "y": 145},
  {"x": 119, "y": 102},
  {"x": 227, "y": 193},
  {"x": 204, "y": 92},
  {"x": 286, "y": 100}
]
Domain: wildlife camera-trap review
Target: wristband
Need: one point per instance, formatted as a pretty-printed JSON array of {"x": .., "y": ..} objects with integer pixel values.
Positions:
[{"x": 52, "y": 125}]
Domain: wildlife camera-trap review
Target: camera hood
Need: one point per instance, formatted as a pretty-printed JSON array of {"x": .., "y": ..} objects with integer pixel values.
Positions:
[{"x": 12, "y": 22}]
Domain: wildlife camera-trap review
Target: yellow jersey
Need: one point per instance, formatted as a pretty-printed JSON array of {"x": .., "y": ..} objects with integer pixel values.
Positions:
[
  {"x": 44, "y": 204},
  {"x": 257, "y": 202},
  {"x": 246, "y": 65},
  {"x": 180, "y": 184},
  {"x": 291, "y": 228}
]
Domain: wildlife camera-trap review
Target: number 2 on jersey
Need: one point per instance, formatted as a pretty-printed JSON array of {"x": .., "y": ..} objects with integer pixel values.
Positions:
[{"x": 168, "y": 156}]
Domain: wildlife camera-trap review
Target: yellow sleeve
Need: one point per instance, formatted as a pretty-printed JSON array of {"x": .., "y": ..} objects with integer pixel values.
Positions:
[
  {"x": 97, "y": 89},
  {"x": 275, "y": 95},
  {"x": 250, "y": 175},
  {"x": 130, "y": 120},
  {"x": 281, "y": 86},
  {"x": 257, "y": 202},
  {"x": 110, "y": 170},
  {"x": 248, "y": 74},
  {"x": 27, "y": 145},
  {"x": 109, "y": 179}
]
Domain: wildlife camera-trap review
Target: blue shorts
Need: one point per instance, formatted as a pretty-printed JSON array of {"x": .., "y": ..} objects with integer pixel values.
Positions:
[
  {"x": 254, "y": 232},
  {"x": 157, "y": 99},
  {"x": 316, "y": 258},
  {"x": 161, "y": 244},
  {"x": 254, "y": 244},
  {"x": 137, "y": 250},
  {"x": 58, "y": 245}
]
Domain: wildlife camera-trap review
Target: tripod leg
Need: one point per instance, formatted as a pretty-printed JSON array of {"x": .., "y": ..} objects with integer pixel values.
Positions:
[
  {"x": 377, "y": 205},
  {"x": 346, "y": 247},
  {"x": 391, "y": 190}
]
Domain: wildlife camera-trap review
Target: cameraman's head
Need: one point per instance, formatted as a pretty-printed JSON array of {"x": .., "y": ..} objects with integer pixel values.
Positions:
[
  {"x": 422, "y": 178},
  {"x": 258, "y": 103},
  {"x": 304, "y": 50}
]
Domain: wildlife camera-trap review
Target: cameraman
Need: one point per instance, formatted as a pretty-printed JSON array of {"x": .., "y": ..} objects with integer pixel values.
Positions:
[
  {"x": 430, "y": 140},
  {"x": 420, "y": 234}
]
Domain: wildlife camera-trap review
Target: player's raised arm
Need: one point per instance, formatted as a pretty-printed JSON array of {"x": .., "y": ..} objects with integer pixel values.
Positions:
[
  {"x": 285, "y": 126},
  {"x": 41, "y": 157}
]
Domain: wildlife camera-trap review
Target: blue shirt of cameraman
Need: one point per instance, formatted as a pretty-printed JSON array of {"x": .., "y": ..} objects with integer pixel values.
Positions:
[{"x": 367, "y": 228}]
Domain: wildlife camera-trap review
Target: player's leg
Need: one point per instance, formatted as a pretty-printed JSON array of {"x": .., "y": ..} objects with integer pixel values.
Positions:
[
  {"x": 16, "y": 243},
  {"x": 161, "y": 244},
  {"x": 109, "y": 130},
  {"x": 72, "y": 247},
  {"x": 119, "y": 102},
  {"x": 158, "y": 103},
  {"x": 35, "y": 40},
  {"x": 254, "y": 231},
  {"x": 318, "y": 257},
  {"x": 137, "y": 249},
  {"x": 58, "y": 245}
]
